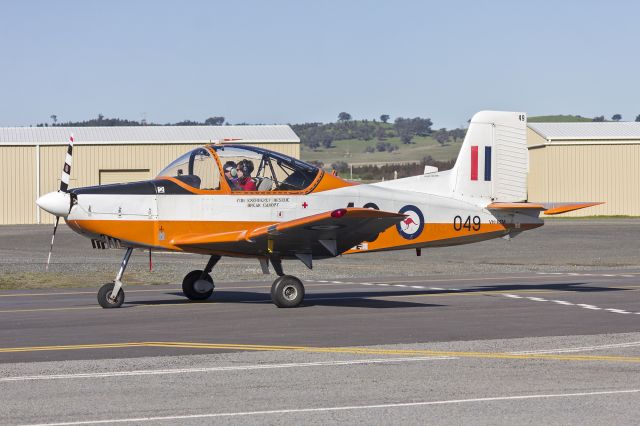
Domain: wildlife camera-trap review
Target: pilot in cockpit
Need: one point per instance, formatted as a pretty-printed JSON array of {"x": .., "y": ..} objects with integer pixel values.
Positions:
[{"x": 231, "y": 175}]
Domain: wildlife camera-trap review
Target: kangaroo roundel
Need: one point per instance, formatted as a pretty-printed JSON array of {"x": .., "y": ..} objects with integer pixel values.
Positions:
[{"x": 411, "y": 227}]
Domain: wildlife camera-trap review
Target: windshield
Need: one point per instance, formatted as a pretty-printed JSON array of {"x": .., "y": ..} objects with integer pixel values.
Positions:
[
  {"x": 196, "y": 168},
  {"x": 269, "y": 171}
]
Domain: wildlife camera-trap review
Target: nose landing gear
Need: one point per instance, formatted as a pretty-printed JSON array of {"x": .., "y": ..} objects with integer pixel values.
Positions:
[{"x": 111, "y": 295}]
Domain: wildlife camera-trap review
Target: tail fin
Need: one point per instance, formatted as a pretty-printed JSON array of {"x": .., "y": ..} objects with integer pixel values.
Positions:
[{"x": 493, "y": 162}]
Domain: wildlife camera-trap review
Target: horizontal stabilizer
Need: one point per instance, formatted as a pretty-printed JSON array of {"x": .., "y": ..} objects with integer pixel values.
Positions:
[{"x": 547, "y": 208}]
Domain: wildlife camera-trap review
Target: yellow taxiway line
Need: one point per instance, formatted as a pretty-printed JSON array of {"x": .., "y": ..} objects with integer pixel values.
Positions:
[{"x": 333, "y": 350}]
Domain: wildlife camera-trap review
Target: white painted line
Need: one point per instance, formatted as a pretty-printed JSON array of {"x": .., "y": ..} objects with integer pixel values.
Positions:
[
  {"x": 436, "y": 288},
  {"x": 579, "y": 349},
  {"x": 617, "y": 311},
  {"x": 537, "y": 299},
  {"x": 399, "y": 285},
  {"x": 345, "y": 408},
  {"x": 562, "y": 302},
  {"x": 218, "y": 369},
  {"x": 417, "y": 286},
  {"x": 513, "y": 296},
  {"x": 367, "y": 284},
  {"x": 584, "y": 305},
  {"x": 384, "y": 285}
]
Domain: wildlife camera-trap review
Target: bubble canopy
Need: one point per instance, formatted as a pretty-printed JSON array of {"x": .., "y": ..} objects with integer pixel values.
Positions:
[{"x": 270, "y": 171}]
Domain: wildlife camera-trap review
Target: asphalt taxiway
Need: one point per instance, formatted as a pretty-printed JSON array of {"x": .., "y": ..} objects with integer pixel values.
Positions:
[
  {"x": 335, "y": 313},
  {"x": 491, "y": 348},
  {"x": 540, "y": 329}
]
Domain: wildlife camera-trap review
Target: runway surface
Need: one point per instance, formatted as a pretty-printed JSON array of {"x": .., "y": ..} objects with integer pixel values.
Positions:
[{"x": 522, "y": 347}]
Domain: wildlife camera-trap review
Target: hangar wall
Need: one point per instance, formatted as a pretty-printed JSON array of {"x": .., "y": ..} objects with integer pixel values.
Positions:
[
  {"x": 605, "y": 170},
  {"x": 17, "y": 183}
]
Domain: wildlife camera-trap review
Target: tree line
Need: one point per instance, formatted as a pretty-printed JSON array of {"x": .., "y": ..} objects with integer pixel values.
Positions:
[
  {"x": 322, "y": 135},
  {"x": 614, "y": 117},
  {"x": 101, "y": 121}
]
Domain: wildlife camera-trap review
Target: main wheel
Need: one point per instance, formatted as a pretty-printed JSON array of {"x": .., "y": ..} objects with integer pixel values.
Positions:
[
  {"x": 195, "y": 288},
  {"x": 287, "y": 292},
  {"x": 104, "y": 297}
]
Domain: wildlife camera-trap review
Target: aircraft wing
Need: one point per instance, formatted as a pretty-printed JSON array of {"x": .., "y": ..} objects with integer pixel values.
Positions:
[
  {"x": 321, "y": 235},
  {"x": 547, "y": 208}
]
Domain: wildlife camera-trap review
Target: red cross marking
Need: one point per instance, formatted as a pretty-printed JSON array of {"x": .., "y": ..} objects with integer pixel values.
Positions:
[{"x": 305, "y": 205}]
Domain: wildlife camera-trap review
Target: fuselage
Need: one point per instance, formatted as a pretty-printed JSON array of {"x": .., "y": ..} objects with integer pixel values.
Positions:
[{"x": 153, "y": 214}]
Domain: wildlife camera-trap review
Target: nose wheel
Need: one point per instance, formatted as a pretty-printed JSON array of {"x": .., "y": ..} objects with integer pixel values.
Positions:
[
  {"x": 112, "y": 295},
  {"x": 106, "y": 299},
  {"x": 287, "y": 291}
]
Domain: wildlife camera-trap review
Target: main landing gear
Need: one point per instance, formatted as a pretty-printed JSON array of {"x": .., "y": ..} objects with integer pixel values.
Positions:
[
  {"x": 287, "y": 291},
  {"x": 198, "y": 285}
]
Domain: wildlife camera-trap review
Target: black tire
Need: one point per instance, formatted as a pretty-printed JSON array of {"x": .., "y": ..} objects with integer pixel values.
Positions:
[
  {"x": 287, "y": 291},
  {"x": 105, "y": 293},
  {"x": 189, "y": 289}
]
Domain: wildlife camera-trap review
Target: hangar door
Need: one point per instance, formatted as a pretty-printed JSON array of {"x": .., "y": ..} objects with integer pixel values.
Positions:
[{"x": 124, "y": 175}]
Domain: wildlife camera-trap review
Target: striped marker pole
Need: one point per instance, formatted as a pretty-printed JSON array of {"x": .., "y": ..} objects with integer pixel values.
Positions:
[{"x": 66, "y": 170}]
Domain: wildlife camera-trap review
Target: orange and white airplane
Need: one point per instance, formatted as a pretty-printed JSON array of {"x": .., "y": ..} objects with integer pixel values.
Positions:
[{"x": 228, "y": 199}]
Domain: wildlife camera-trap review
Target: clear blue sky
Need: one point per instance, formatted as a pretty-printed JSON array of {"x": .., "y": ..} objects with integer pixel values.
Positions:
[{"x": 296, "y": 61}]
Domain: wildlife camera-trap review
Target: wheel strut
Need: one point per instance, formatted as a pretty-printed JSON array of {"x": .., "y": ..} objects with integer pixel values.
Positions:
[
  {"x": 117, "y": 283},
  {"x": 277, "y": 266},
  {"x": 213, "y": 260}
]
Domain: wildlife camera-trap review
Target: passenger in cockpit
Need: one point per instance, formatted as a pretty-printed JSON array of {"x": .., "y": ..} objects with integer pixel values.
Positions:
[{"x": 245, "y": 168}]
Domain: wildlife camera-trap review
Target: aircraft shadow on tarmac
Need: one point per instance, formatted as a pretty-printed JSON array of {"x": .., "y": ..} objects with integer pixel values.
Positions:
[
  {"x": 356, "y": 299},
  {"x": 371, "y": 299}
]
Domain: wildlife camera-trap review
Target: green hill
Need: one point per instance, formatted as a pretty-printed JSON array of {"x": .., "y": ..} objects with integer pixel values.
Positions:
[
  {"x": 354, "y": 151},
  {"x": 559, "y": 119}
]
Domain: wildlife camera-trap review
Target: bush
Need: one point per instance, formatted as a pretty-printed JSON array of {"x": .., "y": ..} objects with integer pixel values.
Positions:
[{"x": 340, "y": 166}]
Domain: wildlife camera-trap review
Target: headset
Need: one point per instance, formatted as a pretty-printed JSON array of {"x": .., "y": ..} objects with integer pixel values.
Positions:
[
  {"x": 246, "y": 167},
  {"x": 231, "y": 168}
]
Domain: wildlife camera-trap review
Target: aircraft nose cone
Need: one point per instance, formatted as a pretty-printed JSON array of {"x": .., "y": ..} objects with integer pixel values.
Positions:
[{"x": 57, "y": 203}]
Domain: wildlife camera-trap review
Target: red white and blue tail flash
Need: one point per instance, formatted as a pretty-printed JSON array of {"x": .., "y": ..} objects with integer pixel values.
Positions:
[{"x": 475, "y": 162}]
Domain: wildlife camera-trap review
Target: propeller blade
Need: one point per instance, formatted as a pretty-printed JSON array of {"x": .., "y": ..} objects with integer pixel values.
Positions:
[
  {"x": 53, "y": 237},
  {"x": 66, "y": 170}
]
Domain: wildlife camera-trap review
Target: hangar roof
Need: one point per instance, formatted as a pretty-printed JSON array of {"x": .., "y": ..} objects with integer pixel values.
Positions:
[
  {"x": 145, "y": 134},
  {"x": 588, "y": 131}
]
